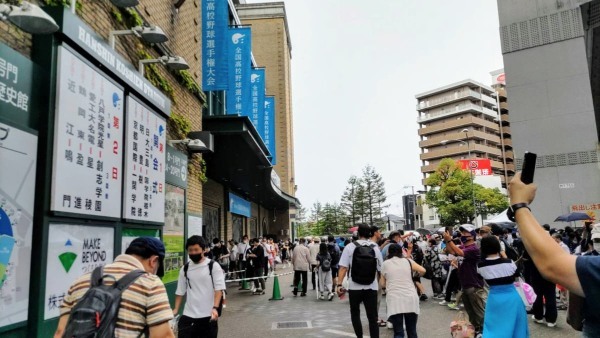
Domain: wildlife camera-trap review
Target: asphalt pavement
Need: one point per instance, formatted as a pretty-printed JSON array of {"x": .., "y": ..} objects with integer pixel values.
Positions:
[{"x": 248, "y": 315}]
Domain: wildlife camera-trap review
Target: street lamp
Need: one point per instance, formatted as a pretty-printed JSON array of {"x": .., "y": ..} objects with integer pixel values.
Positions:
[
  {"x": 444, "y": 142},
  {"x": 28, "y": 17},
  {"x": 173, "y": 62}
]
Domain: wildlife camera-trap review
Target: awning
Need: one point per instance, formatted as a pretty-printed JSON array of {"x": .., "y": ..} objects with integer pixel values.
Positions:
[{"x": 240, "y": 162}]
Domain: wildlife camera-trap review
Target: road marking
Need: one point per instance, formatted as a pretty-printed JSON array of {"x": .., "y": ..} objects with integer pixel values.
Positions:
[{"x": 342, "y": 333}]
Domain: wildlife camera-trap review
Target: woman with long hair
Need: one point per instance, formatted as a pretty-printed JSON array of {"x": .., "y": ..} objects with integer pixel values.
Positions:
[
  {"x": 505, "y": 314},
  {"x": 401, "y": 295},
  {"x": 324, "y": 272}
]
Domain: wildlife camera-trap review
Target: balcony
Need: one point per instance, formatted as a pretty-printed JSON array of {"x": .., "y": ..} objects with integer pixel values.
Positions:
[
  {"x": 454, "y": 151},
  {"x": 479, "y": 135},
  {"x": 504, "y": 118},
  {"x": 429, "y": 168},
  {"x": 458, "y": 124},
  {"x": 469, "y": 93},
  {"x": 462, "y": 108},
  {"x": 509, "y": 154},
  {"x": 507, "y": 143},
  {"x": 506, "y": 130},
  {"x": 501, "y": 92},
  {"x": 504, "y": 106},
  {"x": 510, "y": 167}
]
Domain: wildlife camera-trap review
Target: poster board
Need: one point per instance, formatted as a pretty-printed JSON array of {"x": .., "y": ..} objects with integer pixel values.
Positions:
[
  {"x": 88, "y": 135},
  {"x": 73, "y": 250},
  {"x": 194, "y": 225},
  {"x": 173, "y": 232},
  {"x": 128, "y": 235},
  {"x": 144, "y": 198},
  {"x": 18, "y": 153}
]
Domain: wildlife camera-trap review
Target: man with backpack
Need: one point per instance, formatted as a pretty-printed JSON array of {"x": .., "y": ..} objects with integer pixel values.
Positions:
[
  {"x": 335, "y": 253},
  {"x": 361, "y": 260},
  {"x": 201, "y": 282},
  {"x": 89, "y": 307}
]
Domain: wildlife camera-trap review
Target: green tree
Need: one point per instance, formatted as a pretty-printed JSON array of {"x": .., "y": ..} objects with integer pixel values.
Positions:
[
  {"x": 349, "y": 202},
  {"x": 374, "y": 195},
  {"x": 451, "y": 194}
]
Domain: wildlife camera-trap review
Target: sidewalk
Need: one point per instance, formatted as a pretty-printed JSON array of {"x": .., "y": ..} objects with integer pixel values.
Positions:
[{"x": 248, "y": 316}]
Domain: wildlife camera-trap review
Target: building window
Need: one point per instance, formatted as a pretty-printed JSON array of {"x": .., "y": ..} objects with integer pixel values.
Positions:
[{"x": 216, "y": 103}]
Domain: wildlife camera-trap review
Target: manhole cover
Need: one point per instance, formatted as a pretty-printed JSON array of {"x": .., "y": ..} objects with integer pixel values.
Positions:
[{"x": 291, "y": 325}]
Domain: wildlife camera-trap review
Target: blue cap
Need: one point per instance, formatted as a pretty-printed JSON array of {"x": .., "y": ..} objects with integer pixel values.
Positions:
[{"x": 155, "y": 246}]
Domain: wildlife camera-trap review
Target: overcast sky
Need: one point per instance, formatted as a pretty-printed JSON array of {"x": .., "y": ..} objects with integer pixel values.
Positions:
[{"x": 356, "y": 67}]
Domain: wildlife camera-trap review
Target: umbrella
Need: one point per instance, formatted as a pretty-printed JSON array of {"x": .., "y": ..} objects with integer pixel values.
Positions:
[
  {"x": 353, "y": 229},
  {"x": 423, "y": 231},
  {"x": 507, "y": 225},
  {"x": 574, "y": 216}
]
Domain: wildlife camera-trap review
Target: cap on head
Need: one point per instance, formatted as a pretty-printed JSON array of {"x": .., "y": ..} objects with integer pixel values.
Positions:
[
  {"x": 470, "y": 228},
  {"x": 155, "y": 247}
]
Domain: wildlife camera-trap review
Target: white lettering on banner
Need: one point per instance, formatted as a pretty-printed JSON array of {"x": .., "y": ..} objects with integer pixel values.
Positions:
[{"x": 9, "y": 76}]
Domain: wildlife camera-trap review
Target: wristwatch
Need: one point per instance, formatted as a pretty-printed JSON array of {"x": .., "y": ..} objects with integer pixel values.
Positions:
[
  {"x": 216, "y": 308},
  {"x": 510, "y": 213}
]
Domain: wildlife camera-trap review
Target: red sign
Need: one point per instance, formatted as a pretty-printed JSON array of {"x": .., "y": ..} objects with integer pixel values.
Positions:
[{"x": 479, "y": 167}]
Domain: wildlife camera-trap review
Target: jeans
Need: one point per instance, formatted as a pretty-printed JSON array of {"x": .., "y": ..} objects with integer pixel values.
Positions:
[
  {"x": 398, "y": 320},
  {"x": 474, "y": 301},
  {"x": 453, "y": 285},
  {"x": 436, "y": 285},
  {"x": 300, "y": 275},
  {"x": 369, "y": 299},
  {"x": 197, "y": 327}
]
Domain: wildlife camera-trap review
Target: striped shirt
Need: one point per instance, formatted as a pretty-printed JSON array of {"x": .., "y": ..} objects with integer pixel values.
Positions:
[
  {"x": 145, "y": 302},
  {"x": 497, "y": 271}
]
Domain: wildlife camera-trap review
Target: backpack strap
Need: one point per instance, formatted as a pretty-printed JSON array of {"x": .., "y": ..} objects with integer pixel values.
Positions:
[
  {"x": 185, "y": 270},
  {"x": 96, "y": 278},
  {"x": 210, "y": 266},
  {"x": 128, "y": 279}
]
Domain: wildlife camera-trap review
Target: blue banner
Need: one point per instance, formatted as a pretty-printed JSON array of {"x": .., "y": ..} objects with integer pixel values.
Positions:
[
  {"x": 257, "y": 94},
  {"x": 215, "y": 20},
  {"x": 269, "y": 127},
  {"x": 239, "y": 206},
  {"x": 240, "y": 66}
]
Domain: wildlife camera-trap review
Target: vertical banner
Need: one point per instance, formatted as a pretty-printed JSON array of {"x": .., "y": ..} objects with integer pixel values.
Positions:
[
  {"x": 18, "y": 153},
  {"x": 215, "y": 18},
  {"x": 257, "y": 93},
  {"x": 240, "y": 66},
  {"x": 73, "y": 250},
  {"x": 269, "y": 127},
  {"x": 87, "y": 161},
  {"x": 144, "y": 185}
]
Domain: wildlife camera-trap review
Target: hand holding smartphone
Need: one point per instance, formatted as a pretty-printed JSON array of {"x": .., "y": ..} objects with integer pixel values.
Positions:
[{"x": 528, "y": 167}]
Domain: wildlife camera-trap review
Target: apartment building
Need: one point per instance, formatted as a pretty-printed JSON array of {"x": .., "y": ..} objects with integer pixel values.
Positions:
[{"x": 461, "y": 121}]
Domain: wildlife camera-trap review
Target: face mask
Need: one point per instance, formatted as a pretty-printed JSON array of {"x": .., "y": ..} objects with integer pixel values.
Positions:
[
  {"x": 597, "y": 247},
  {"x": 464, "y": 239},
  {"x": 196, "y": 257}
]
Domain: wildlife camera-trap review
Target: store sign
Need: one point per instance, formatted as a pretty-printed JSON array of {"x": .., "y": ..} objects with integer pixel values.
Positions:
[
  {"x": 16, "y": 86},
  {"x": 128, "y": 235},
  {"x": 239, "y": 206},
  {"x": 18, "y": 153},
  {"x": 144, "y": 197},
  {"x": 173, "y": 232},
  {"x": 479, "y": 167},
  {"x": 215, "y": 19},
  {"x": 73, "y": 250},
  {"x": 88, "y": 134},
  {"x": 94, "y": 44},
  {"x": 177, "y": 171},
  {"x": 592, "y": 209}
]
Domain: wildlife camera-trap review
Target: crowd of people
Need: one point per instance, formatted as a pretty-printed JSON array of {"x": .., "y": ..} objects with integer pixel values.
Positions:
[{"x": 468, "y": 267}]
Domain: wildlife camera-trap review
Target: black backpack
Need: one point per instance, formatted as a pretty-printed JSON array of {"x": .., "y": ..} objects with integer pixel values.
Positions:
[
  {"x": 364, "y": 264},
  {"x": 326, "y": 263},
  {"x": 95, "y": 314},
  {"x": 335, "y": 256},
  {"x": 210, "y": 267},
  {"x": 511, "y": 253}
]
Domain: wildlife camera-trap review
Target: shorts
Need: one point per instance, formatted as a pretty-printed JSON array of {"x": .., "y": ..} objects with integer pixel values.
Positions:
[{"x": 334, "y": 272}]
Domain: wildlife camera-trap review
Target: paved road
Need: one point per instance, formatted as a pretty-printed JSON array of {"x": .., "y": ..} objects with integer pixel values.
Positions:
[{"x": 254, "y": 316}]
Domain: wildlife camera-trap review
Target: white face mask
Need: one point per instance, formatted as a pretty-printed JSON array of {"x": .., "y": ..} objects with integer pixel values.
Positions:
[{"x": 597, "y": 247}]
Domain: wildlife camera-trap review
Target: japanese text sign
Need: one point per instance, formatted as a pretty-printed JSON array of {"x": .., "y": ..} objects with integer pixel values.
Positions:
[
  {"x": 478, "y": 167},
  {"x": 240, "y": 65},
  {"x": 257, "y": 95},
  {"x": 215, "y": 17},
  {"x": 269, "y": 127},
  {"x": 176, "y": 166}
]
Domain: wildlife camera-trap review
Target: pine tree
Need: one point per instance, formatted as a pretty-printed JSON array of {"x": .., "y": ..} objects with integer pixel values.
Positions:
[
  {"x": 349, "y": 200},
  {"x": 374, "y": 193}
]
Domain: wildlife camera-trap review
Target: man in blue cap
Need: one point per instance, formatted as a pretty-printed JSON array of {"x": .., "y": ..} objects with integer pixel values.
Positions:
[
  {"x": 146, "y": 293},
  {"x": 474, "y": 295}
]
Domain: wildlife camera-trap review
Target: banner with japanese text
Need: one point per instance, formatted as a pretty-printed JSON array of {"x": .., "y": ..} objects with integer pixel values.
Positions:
[
  {"x": 88, "y": 134},
  {"x": 144, "y": 185},
  {"x": 240, "y": 66},
  {"x": 257, "y": 94},
  {"x": 269, "y": 127},
  {"x": 215, "y": 18},
  {"x": 479, "y": 167}
]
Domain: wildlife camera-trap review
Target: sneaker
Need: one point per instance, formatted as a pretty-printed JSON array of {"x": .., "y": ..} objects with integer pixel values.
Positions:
[
  {"x": 539, "y": 321},
  {"x": 551, "y": 324},
  {"x": 303, "y": 294},
  {"x": 321, "y": 297},
  {"x": 295, "y": 293},
  {"x": 454, "y": 306},
  {"x": 444, "y": 302},
  {"x": 423, "y": 297},
  {"x": 330, "y": 296}
]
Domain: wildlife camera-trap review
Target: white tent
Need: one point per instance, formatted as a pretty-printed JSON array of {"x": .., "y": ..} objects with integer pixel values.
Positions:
[{"x": 500, "y": 218}]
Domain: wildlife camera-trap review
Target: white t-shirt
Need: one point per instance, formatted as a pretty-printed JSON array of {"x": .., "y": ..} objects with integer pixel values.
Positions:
[
  {"x": 242, "y": 248},
  {"x": 200, "y": 294},
  {"x": 346, "y": 261}
]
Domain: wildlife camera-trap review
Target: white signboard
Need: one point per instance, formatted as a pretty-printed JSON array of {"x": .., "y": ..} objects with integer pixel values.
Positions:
[
  {"x": 73, "y": 250},
  {"x": 194, "y": 225},
  {"x": 144, "y": 197},
  {"x": 87, "y": 140},
  {"x": 18, "y": 151}
]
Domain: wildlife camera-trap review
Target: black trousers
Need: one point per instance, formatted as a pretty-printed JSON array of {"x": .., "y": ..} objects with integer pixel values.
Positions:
[
  {"x": 544, "y": 290},
  {"x": 314, "y": 273},
  {"x": 300, "y": 275},
  {"x": 197, "y": 327},
  {"x": 369, "y": 299},
  {"x": 453, "y": 285}
]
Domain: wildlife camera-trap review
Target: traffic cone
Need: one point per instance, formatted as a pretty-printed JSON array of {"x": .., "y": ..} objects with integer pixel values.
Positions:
[
  {"x": 276, "y": 291},
  {"x": 245, "y": 285}
]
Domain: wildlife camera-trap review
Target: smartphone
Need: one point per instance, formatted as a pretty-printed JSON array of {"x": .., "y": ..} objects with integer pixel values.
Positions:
[{"x": 528, "y": 168}]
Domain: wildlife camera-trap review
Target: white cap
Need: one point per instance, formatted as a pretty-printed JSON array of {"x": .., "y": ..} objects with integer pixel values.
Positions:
[{"x": 467, "y": 227}]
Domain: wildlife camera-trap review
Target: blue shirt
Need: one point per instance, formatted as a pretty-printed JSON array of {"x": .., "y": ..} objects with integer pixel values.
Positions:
[{"x": 588, "y": 272}]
